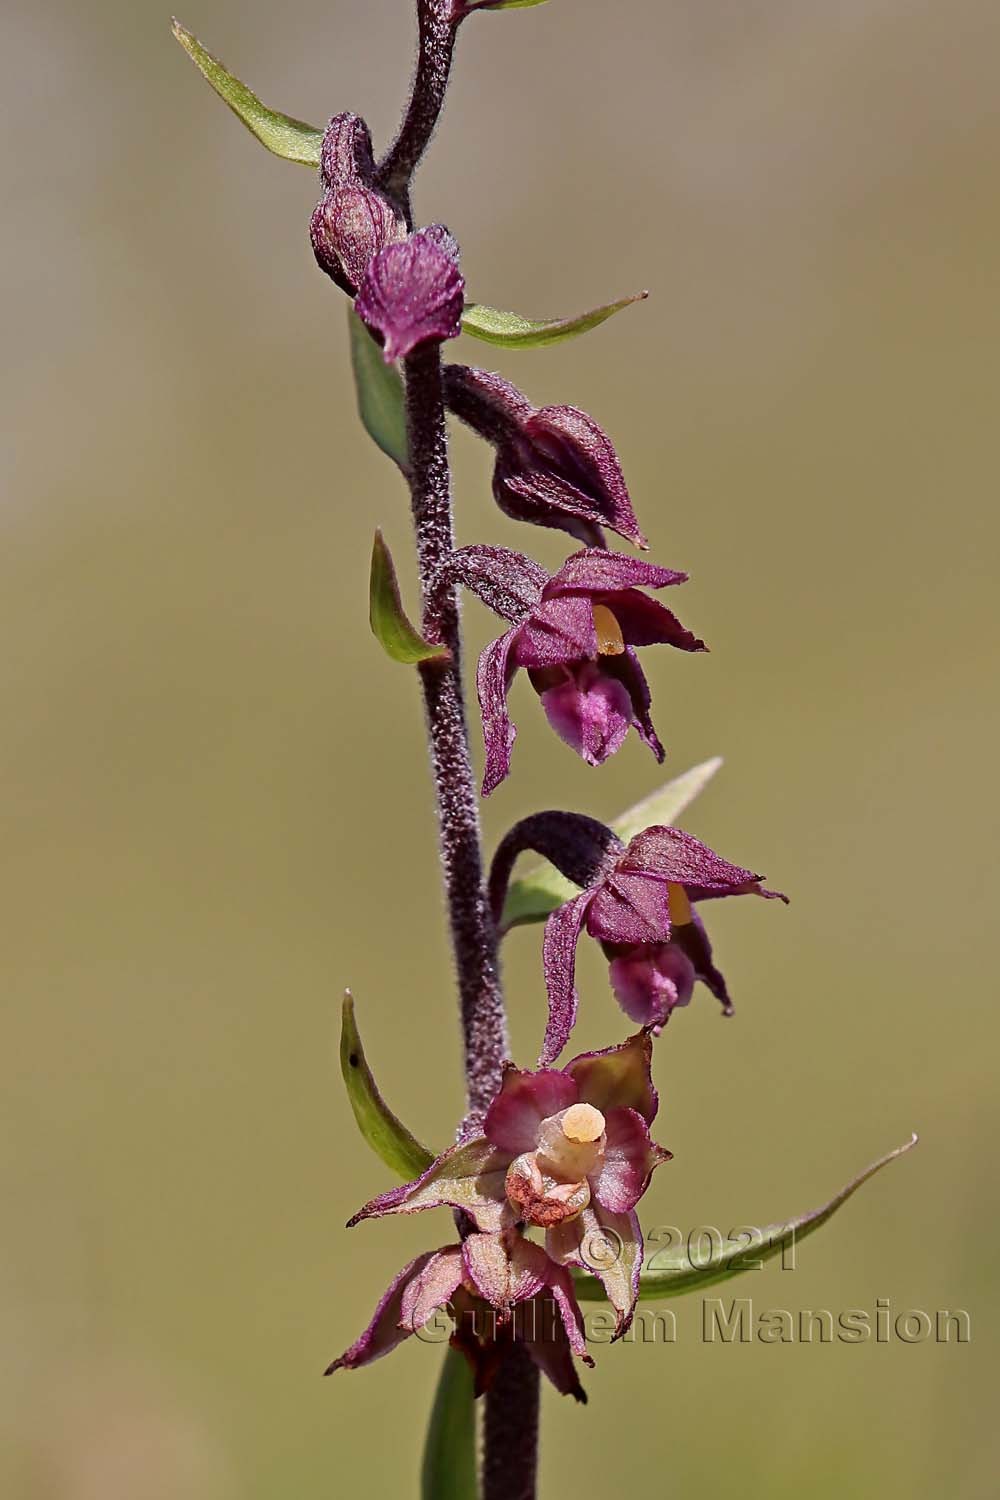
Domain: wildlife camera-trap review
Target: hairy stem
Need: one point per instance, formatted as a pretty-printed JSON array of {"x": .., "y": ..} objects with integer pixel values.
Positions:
[
  {"x": 484, "y": 1025},
  {"x": 438, "y": 25},
  {"x": 510, "y": 1431},
  {"x": 510, "y": 1442}
]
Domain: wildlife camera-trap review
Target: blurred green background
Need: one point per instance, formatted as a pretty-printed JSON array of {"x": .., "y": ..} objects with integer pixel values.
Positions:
[{"x": 215, "y": 802}]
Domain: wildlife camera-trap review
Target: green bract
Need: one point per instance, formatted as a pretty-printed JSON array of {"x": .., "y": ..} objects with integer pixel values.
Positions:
[
  {"x": 292, "y": 139},
  {"x": 379, "y": 388},
  {"x": 512, "y": 331},
  {"x": 390, "y": 626},
  {"x": 506, "y": 4},
  {"x": 542, "y": 888},
  {"x": 675, "y": 1272},
  {"x": 387, "y": 1136},
  {"x": 449, "y": 1467}
]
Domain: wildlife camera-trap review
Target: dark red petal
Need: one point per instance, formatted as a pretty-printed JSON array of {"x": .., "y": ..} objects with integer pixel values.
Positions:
[
  {"x": 646, "y": 622},
  {"x": 676, "y": 856},
  {"x": 556, "y": 632},
  {"x": 629, "y": 1160},
  {"x": 386, "y": 1328},
  {"x": 629, "y": 908},
  {"x": 692, "y": 941},
  {"x": 499, "y": 733},
  {"x": 562, "y": 931},
  {"x": 596, "y": 571},
  {"x": 628, "y": 671},
  {"x": 539, "y": 1326},
  {"x": 524, "y": 1101},
  {"x": 618, "y": 1077}
]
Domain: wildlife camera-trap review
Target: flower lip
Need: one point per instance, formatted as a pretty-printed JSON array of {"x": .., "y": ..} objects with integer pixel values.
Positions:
[{"x": 539, "y": 1198}]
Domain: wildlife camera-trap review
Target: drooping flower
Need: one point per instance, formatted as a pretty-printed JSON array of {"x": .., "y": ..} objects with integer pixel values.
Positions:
[
  {"x": 566, "y": 1150},
  {"x": 498, "y": 1289},
  {"x": 413, "y": 292},
  {"x": 638, "y": 902},
  {"x": 575, "y": 633},
  {"x": 554, "y": 466}
]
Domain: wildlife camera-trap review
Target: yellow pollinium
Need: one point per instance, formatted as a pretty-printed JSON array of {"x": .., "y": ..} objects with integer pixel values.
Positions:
[
  {"x": 610, "y": 641},
  {"x": 582, "y": 1124},
  {"x": 679, "y": 905}
]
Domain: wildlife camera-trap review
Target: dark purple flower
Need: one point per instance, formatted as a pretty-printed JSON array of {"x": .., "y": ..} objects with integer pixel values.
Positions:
[
  {"x": 568, "y": 1151},
  {"x": 352, "y": 220},
  {"x": 554, "y": 465},
  {"x": 498, "y": 1289},
  {"x": 637, "y": 902},
  {"x": 574, "y": 632},
  {"x": 413, "y": 292}
]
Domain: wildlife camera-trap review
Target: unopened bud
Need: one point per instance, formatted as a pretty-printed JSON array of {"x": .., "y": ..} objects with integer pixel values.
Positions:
[
  {"x": 413, "y": 292},
  {"x": 346, "y": 152},
  {"x": 352, "y": 220},
  {"x": 349, "y": 225},
  {"x": 555, "y": 466}
]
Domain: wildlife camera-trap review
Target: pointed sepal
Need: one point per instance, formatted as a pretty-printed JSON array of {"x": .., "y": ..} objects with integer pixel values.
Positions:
[
  {"x": 510, "y": 331},
  {"x": 387, "y": 617},
  {"x": 387, "y": 1135},
  {"x": 284, "y": 136}
]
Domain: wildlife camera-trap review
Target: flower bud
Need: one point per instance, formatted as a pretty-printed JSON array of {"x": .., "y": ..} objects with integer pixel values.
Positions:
[
  {"x": 555, "y": 466},
  {"x": 349, "y": 225},
  {"x": 352, "y": 220},
  {"x": 346, "y": 152},
  {"x": 413, "y": 292}
]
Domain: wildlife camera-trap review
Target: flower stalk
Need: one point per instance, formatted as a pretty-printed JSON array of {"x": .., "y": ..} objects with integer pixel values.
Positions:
[{"x": 437, "y": 23}]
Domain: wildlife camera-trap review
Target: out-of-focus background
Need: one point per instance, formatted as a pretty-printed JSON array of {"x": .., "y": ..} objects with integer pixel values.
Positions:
[{"x": 214, "y": 799}]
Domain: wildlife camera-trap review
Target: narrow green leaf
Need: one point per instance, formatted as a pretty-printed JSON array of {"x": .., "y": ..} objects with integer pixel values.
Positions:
[
  {"x": 390, "y": 626},
  {"x": 504, "y": 4},
  {"x": 675, "y": 1272},
  {"x": 541, "y": 889},
  {"x": 448, "y": 1471},
  {"x": 387, "y": 1136},
  {"x": 292, "y": 139},
  {"x": 379, "y": 387},
  {"x": 512, "y": 331},
  {"x": 669, "y": 802}
]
